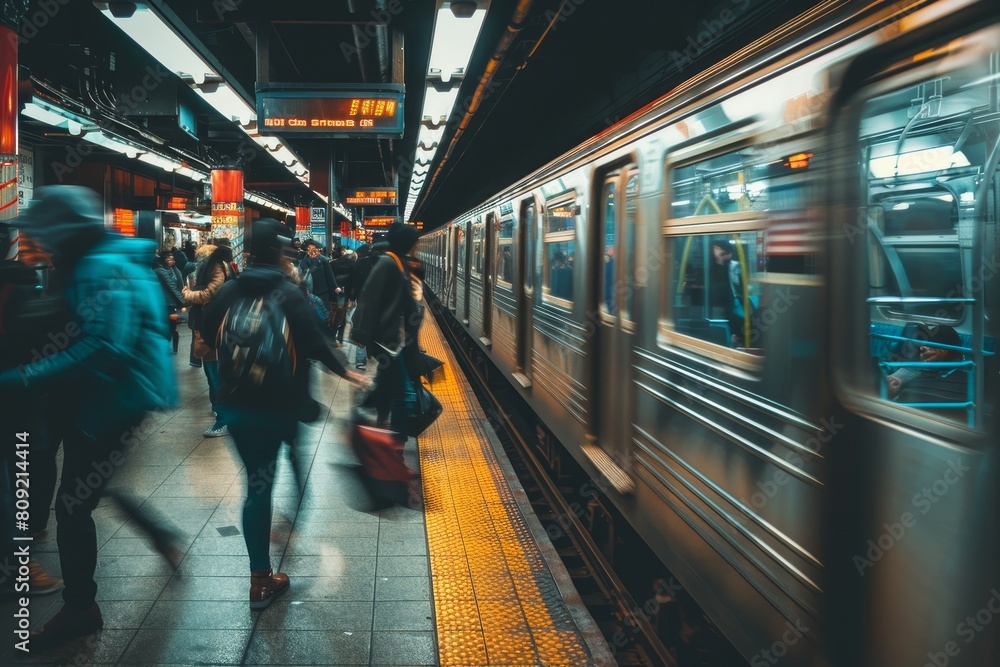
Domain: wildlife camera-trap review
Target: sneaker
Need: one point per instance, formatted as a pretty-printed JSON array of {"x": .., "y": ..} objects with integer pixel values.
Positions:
[
  {"x": 195, "y": 365},
  {"x": 266, "y": 586},
  {"x": 361, "y": 367},
  {"x": 68, "y": 624},
  {"x": 216, "y": 431},
  {"x": 40, "y": 581}
]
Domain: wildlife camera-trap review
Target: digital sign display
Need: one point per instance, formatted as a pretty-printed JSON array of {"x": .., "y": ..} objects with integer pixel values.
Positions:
[
  {"x": 379, "y": 221},
  {"x": 330, "y": 113},
  {"x": 374, "y": 197}
]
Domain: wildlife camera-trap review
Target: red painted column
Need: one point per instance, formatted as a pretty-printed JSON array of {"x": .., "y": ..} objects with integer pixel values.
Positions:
[
  {"x": 8, "y": 128},
  {"x": 302, "y": 222},
  {"x": 227, "y": 208}
]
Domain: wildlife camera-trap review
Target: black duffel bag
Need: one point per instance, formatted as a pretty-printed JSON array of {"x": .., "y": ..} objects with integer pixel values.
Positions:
[{"x": 426, "y": 410}]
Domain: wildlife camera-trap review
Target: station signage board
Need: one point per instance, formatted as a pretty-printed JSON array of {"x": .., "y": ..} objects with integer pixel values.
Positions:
[
  {"x": 330, "y": 113},
  {"x": 372, "y": 197},
  {"x": 379, "y": 221},
  {"x": 317, "y": 214}
]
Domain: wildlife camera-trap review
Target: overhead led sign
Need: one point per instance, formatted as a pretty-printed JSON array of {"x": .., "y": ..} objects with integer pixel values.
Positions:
[
  {"x": 379, "y": 221},
  {"x": 330, "y": 113},
  {"x": 379, "y": 197}
]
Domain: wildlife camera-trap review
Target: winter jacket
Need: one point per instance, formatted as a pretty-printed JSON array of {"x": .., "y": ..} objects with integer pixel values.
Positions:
[
  {"x": 172, "y": 282},
  {"x": 387, "y": 313},
  {"x": 120, "y": 361},
  {"x": 317, "y": 273},
  {"x": 306, "y": 334}
]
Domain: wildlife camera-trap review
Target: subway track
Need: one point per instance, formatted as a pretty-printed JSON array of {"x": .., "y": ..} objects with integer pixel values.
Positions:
[{"x": 646, "y": 616}]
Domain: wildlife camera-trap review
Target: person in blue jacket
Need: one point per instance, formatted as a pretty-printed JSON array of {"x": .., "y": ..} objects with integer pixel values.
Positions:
[{"x": 117, "y": 366}]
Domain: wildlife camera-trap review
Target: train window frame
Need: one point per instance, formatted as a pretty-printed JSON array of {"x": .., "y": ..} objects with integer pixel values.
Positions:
[
  {"x": 852, "y": 361},
  {"x": 503, "y": 241},
  {"x": 478, "y": 247},
  {"x": 461, "y": 249},
  {"x": 562, "y": 200}
]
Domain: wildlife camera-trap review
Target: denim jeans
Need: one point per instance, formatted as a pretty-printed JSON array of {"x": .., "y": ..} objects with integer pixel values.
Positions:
[{"x": 212, "y": 374}]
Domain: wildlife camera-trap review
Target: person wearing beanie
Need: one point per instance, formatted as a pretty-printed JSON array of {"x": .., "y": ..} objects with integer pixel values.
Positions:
[
  {"x": 259, "y": 431},
  {"x": 118, "y": 367}
]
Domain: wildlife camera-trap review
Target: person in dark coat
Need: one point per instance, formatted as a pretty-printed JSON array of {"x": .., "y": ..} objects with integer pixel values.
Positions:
[
  {"x": 317, "y": 276},
  {"x": 386, "y": 322},
  {"x": 172, "y": 282},
  {"x": 118, "y": 364},
  {"x": 258, "y": 433},
  {"x": 342, "y": 267},
  {"x": 367, "y": 256}
]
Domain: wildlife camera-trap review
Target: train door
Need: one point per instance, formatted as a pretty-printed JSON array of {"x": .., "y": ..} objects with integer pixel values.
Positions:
[
  {"x": 913, "y": 476},
  {"x": 489, "y": 276},
  {"x": 615, "y": 271},
  {"x": 525, "y": 288}
]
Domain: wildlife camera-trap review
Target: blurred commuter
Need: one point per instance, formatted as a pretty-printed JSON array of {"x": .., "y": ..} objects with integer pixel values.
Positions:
[
  {"x": 929, "y": 384},
  {"x": 386, "y": 322},
  {"x": 214, "y": 270},
  {"x": 172, "y": 282},
  {"x": 260, "y": 424},
  {"x": 318, "y": 278},
  {"x": 342, "y": 267},
  {"x": 366, "y": 262},
  {"x": 118, "y": 365}
]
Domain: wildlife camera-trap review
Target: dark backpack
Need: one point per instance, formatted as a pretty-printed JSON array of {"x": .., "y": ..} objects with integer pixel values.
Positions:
[{"x": 257, "y": 357}]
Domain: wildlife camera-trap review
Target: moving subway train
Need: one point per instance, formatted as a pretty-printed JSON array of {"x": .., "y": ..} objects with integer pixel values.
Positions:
[{"x": 763, "y": 312}]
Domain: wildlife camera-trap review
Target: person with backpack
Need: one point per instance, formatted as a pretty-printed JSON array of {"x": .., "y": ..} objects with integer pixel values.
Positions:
[
  {"x": 317, "y": 276},
  {"x": 264, "y": 333}
]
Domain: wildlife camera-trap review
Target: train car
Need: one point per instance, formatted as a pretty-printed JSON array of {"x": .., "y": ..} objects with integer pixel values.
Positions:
[{"x": 762, "y": 311}]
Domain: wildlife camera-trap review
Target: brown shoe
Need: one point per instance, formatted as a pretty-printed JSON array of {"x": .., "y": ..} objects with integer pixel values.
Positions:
[
  {"x": 68, "y": 624},
  {"x": 266, "y": 586},
  {"x": 41, "y": 582}
]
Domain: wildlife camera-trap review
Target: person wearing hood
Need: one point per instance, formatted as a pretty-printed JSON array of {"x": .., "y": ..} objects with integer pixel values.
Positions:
[
  {"x": 119, "y": 368},
  {"x": 259, "y": 431},
  {"x": 387, "y": 321},
  {"x": 215, "y": 268}
]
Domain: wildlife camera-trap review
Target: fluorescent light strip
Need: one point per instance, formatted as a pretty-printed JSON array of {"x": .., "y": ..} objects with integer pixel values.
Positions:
[
  {"x": 453, "y": 42},
  {"x": 148, "y": 28}
]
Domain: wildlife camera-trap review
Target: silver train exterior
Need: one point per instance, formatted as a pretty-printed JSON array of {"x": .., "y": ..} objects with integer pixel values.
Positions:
[{"x": 704, "y": 304}]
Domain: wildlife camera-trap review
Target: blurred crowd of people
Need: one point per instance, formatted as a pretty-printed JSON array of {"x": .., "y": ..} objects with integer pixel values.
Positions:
[{"x": 89, "y": 330}]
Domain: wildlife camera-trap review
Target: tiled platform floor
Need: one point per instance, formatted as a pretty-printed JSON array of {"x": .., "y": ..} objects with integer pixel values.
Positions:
[{"x": 360, "y": 579}]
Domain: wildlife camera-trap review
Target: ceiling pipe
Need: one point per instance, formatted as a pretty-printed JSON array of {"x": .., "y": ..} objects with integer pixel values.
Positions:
[{"x": 513, "y": 27}]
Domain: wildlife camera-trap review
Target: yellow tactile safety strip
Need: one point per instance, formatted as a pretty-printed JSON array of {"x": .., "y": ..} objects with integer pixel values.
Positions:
[{"x": 495, "y": 602}]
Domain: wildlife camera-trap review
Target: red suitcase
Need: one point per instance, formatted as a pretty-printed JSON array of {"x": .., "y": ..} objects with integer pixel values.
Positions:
[{"x": 387, "y": 477}]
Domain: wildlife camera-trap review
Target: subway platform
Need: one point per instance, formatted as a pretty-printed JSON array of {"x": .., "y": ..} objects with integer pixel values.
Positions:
[{"x": 470, "y": 579}]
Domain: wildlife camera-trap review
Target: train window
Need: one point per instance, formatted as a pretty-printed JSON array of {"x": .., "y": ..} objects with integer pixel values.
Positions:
[
  {"x": 530, "y": 222},
  {"x": 716, "y": 295},
  {"x": 477, "y": 249},
  {"x": 631, "y": 193},
  {"x": 608, "y": 286},
  {"x": 926, "y": 177},
  {"x": 559, "y": 257},
  {"x": 505, "y": 253}
]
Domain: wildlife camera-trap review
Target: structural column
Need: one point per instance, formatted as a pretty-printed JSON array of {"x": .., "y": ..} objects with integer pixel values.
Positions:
[
  {"x": 227, "y": 208},
  {"x": 8, "y": 127}
]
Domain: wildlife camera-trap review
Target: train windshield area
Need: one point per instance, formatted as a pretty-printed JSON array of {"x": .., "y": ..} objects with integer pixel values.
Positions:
[{"x": 929, "y": 165}]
